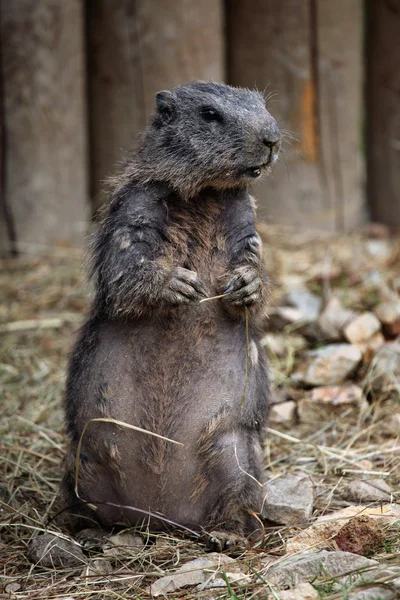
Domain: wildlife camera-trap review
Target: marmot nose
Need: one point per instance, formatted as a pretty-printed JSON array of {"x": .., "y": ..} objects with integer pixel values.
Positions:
[{"x": 271, "y": 142}]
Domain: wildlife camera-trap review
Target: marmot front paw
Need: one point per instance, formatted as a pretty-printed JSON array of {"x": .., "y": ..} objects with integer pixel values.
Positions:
[
  {"x": 244, "y": 287},
  {"x": 218, "y": 541},
  {"x": 184, "y": 286}
]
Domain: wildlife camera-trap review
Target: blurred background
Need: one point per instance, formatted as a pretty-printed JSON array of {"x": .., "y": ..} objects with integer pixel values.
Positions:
[{"x": 78, "y": 77}]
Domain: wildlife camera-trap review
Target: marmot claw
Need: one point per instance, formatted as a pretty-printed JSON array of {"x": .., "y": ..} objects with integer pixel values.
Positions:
[
  {"x": 185, "y": 286},
  {"x": 244, "y": 287}
]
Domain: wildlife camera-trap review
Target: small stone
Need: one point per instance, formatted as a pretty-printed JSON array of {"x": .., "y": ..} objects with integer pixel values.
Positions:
[
  {"x": 198, "y": 571},
  {"x": 281, "y": 316},
  {"x": 375, "y": 490},
  {"x": 392, "y": 424},
  {"x": 329, "y": 365},
  {"x": 285, "y": 412},
  {"x": 384, "y": 372},
  {"x": 335, "y": 317},
  {"x": 279, "y": 395},
  {"x": 375, "y": 592},
  {"x": 279, "y": 344},
  {"x": 289, "y": 499},
  {"x": 11, "y": 588},
  {"x": 306, "y": 302},
  {"x": 296, "y": 569},
  {"x": 370, "y": 348},
  {"x": 97, "y": 567},
  {"x": 123, "y": 541},
  {"x": 219, "y": 582},
  {"x": 303, "y": 591},
  {"x": 380, "y": 250},
  {"x": 361, "y": 535},
  {"x": 325, "y": 402},
  {"x": 49, "y": 550},
  {"x": 126, "y": 539},
  {"x": 362, "y": 328},
  {"x": 321, "y": 533},
  {"x": 389, "y": 314}
]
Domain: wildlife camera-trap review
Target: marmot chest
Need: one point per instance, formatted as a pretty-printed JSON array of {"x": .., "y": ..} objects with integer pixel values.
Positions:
[{"x": 196, "y": 237}]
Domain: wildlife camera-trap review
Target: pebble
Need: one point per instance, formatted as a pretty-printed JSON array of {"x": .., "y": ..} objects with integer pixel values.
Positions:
[
  {"x": 385, "y": 367},
  {"x": 122, "y": 541},
  {"x": 49, "y": 550},
  {"x": 321, "y": 533},
  {"x": 329, "y": 365},
  {"x": 325, "y": 402},
  {"x": 289, "y": 499},
  {"x": 285, "y": 412},
  {"x": 389, "y": 314},
  {"x": 374, "y": 490},
  {"x": 199, "y": 571},
  {"x": 362, "y": 328},
  {"x": 294, "y": 570},
  {"x": 280, "y": 345},
  {"x": 303, "y": 591},
  {"x": 307, "y": 303},
  {"x": 334, "y": 318}
]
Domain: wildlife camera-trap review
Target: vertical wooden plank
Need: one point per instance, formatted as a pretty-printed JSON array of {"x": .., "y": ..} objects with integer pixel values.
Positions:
[
  {"x": 44, "y": 117},
  {"x": 383, "y": 111},
  {"x": 341, "y": 62},
  {"x": 295, "y": 50},
  {"x": 5, "y": 245},
  {"x": 116, "y": 104},
  {"x": 136, "y": 48}
]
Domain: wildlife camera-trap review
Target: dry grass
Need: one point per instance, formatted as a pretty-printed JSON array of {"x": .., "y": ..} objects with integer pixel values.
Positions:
[{"x": 42, "y": 303}]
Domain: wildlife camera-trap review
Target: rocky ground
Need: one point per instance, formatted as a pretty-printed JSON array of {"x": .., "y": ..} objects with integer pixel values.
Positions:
[{"x": 332, "y": 451}]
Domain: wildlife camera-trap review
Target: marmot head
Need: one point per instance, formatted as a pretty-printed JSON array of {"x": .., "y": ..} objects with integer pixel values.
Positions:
[{"x": 208, "y": 135}]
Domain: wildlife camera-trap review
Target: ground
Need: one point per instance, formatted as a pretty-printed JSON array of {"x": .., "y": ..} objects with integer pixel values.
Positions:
[{"x": 330, "y": 437}]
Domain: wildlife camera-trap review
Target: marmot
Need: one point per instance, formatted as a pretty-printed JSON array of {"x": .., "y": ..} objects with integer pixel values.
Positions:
[{"x": 179, "y": 228}]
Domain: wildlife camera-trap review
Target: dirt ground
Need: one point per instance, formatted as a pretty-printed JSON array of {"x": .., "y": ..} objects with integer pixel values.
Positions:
[{"x": 332, "y": 443}]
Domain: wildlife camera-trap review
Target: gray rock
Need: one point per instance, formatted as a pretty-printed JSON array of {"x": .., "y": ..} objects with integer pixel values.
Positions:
[
  {"x": 199, "y": 571},
  {"x": 289, "y": 499},
  {"x": 48, "y": 550},
  {"x": 281, "y": 316},
  {"x": 279, "y": 344},
  {"x": 375, "y": 592},
  {"x": 385, "y": 367},
  {"x": 327, "y": 401},
  {"x": 379, "y": 249},
  {"x": 297, "y": 569},
  {"x": 330, "y": 365},
  {"x": 375, "y": 490},
  {"x": 299, "y": 308},
  {"x": 308, "y": 304},
  {"x": 334, "y": 318},
  {"x": 303, "y": 591},
  {"x": 98, "y": 566}
]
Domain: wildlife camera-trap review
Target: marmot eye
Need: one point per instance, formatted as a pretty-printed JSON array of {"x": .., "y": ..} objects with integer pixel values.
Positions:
[{"x": 210, "y": 114}]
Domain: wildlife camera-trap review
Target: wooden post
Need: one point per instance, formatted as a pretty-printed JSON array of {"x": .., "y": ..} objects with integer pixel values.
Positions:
[
  {"x": 136, "y": 48},
  {"x": 383, "y": 111},
  {"x": 308, "y": 55},
  {"x": 42, "y": 70}
]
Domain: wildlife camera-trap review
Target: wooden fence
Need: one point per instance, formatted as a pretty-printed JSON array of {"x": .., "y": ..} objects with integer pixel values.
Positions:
[{"x": 77, "y": 80}]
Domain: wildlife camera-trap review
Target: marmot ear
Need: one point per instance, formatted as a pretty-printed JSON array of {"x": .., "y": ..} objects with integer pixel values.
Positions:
[{"x": 166, "y": 107}]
